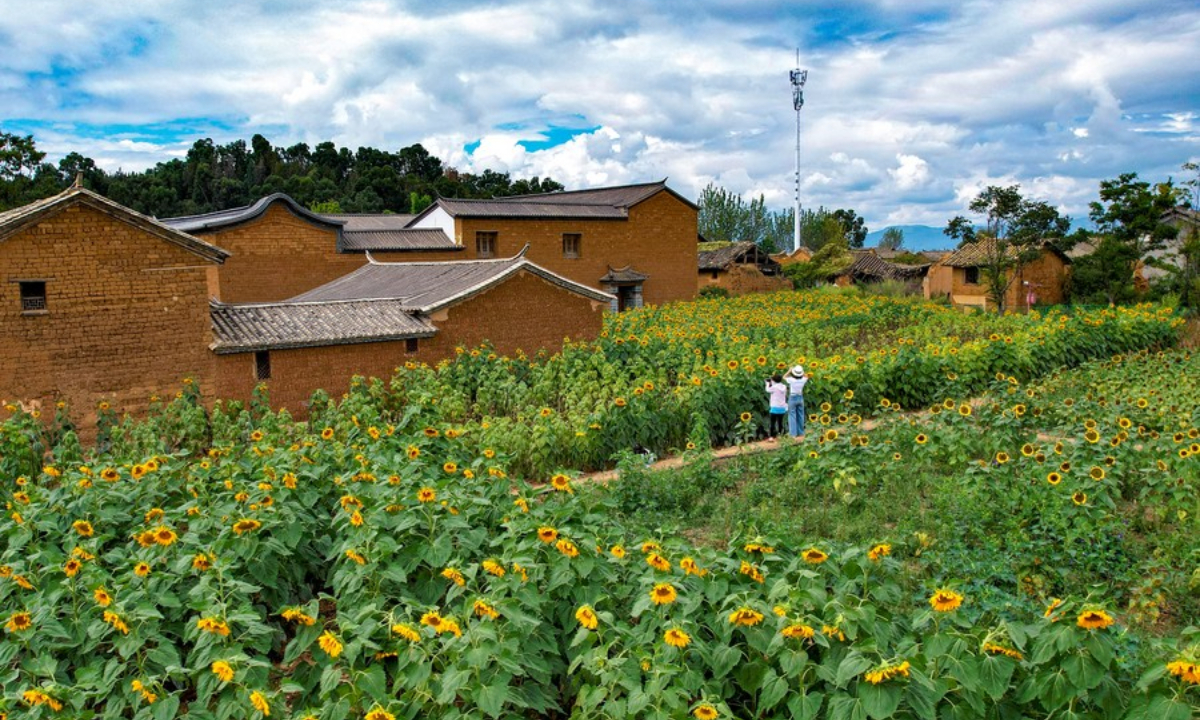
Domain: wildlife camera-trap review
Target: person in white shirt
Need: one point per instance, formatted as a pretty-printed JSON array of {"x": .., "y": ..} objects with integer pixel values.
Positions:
[
  {"x": 796, "y": 379},
  {"x": 777, "y": 392}
]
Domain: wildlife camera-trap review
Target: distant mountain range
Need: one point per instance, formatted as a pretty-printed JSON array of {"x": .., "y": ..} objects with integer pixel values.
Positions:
[{"x": 916, "y": 237}]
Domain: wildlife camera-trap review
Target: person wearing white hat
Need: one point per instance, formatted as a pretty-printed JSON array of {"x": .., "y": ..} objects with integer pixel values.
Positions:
[{"x": 796, "y": 379}]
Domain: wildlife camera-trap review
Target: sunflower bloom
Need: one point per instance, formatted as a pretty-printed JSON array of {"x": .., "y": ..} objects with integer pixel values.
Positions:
[
  {"x": 330, "y": 644},
  {"x": 677, "y": 638},
  {"x": 407, "y": 632},
  {"x": 798, "y": 631},
  {"x": 83, "y": 527},
  {"x": 887, "y": 672},
  {"x": 566, "y": 547},
  {"x": 494, "y": 568},
  {"x": 258, "y": 700},
  {"x": 879, "y": 552},
  {"x": 562, "y": 483},
  {"x": 298, "y": 616},
  {"x": 378, "y": 713},
  {"x": 1094, "y": 620},
  {"x": 945, "y": 600},
  {"x": 751, "y": 571},
  {"x": 103, "y": 599},
  {"x": 246, "y": 525},
  {"x": 213, "y": 625},
  {"x": 223, "y": 670},
  {"x": 547, "y": 534},
  {"x": 19, "y": 621},
  {"x": 1186, "y": 670},
  {"x": 745, "y": 616},
  {"x": 663, "y": 594},
  {"x": 426, "y": 495},
  {"x": 117, "y": 623},
  {"x": 813, "y": 556},
  {"x": 454, "y": 576},
  {"x": 587, "y": 617},
  {"x": 705, "y": 712},
  {"x": 482, "y": 609}
]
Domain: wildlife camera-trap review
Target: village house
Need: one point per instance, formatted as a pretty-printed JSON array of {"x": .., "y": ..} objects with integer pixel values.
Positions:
[
  {"x": 739, "y": 268},
  {"x": 636, "y": 242},
  {"x": 102, "y": 303},
  {"x": 959, "y": 277},
  {"x": 868, "y": 267}
]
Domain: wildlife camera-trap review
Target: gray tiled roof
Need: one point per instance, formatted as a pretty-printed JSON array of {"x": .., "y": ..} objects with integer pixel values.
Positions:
[
  {"x": 234, "y": 216},
  {"x": 499, "y": 208},
  {"x": 622, "y": 196},
  {"x": 428, "y": 286},
  {"x": 979, "y": 252},
  {"x": 741, "y": 252},
  {"x": 623, "y": 275},
  {"x": 16, "y": 219},
  {"x": 277, "y": 326},
  {"x": 867, "y": 264},
  {"x": 353, "y": 222},
  {"x": 397, "y": 239}
]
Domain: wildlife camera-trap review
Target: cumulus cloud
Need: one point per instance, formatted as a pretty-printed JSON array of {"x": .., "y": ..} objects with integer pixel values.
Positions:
[{"x": 910, "y": 105}]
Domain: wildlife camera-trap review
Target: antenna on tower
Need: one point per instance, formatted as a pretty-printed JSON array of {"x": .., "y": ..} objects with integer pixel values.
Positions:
[{"x": 799, "y": 77}]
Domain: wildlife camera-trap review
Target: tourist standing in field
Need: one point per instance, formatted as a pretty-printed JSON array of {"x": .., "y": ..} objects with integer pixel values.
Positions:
[
  {"x": 796, "y": 380},
  {"x": 777, "y": 393}
]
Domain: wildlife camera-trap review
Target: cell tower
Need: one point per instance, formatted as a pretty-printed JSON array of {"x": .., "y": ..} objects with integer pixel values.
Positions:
[{"x": 799, "y": 77}]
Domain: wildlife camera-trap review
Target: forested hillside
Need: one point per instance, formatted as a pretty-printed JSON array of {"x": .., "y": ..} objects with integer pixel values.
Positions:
[{"x": 216, "y": 177}]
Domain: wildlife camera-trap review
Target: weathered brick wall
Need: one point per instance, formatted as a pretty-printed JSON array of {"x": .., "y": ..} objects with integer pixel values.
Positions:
[
  {"x": 277, "y": 256},
  {"x": 744, "y": 279},
  {"x": 1047, "y": 275},
  {"x": 658, "y": 239},
  {"x": 525, "y": 313},
  {"x": 127, "y": 314}
]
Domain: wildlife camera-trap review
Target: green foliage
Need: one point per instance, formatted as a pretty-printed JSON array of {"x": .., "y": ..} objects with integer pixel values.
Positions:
[
  {"x": 1105, "y": 276},
  {"x": 725, "y": 217},
  {"x": 217, "y": 177},
  {"x": 1131, "y": 212},
  {"x": 713, "y": 291},
  {"x": 892, "y": 239},
  {"x": 1014, "y": 233},
  {"x": 854, "y": 228}
]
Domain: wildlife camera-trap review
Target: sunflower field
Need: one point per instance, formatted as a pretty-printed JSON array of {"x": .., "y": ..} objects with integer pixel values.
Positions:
[
  {"x": 661, "y": 378},
  {"x": 1029, "y": 553}
]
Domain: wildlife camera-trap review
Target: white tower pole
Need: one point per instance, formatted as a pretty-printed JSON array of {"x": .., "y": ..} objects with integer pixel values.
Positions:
[{"x": 799, "y": 77}]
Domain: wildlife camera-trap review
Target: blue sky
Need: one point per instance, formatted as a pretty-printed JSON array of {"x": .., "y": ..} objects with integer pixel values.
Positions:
[{"x": 911, "y": 105}]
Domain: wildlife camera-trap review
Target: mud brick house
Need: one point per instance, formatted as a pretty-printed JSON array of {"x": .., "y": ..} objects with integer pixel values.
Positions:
[
  {"x": 383, "y": 314},
  {"x": 637, "y": 242},
  {"x": 279, "y": 248},
  {"x": 100, "y": 303},
  {"x": 868, "y": 267},
  {"x": 740, "y": 268},
  {"x": 959, "y": 276}
]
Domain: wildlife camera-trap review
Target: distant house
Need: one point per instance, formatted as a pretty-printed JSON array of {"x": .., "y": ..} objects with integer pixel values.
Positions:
[
  {"x": 740, "y": 268},
  {"x": 637, "y": 242},
  {"x": 960, "y": 278},
  {"x": 868, "y": 267},
  {"x": 1186, "y": 221},
  {"x": 371, "y": 320},
  {"x": 800, "y": 254},
  {"x": 105, "y": 304}
]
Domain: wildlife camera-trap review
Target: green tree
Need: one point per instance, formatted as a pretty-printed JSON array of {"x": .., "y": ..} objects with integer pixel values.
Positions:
[
  {"x": 893, "y": 239},
  {"x": 853, "y": 227},
  {"x": 1131, "y": 211},
  {"x": 1015, "y": 231},
  {"x": 1105, "y": 275},
  {"x": 820, "y": 227},
  {"x": 725, "y": 217}
]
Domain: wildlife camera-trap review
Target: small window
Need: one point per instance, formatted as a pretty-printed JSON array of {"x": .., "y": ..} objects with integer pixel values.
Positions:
[
  {"x": 972, "y": 276},
  {"x": 33, "y": 296},
  {"x": 485, "y": 244},
  {"x": 571, "y": 243},
  {"x": 715, "y": 273},
  {"x": 262, "y": 365},
  {"x": 411, "y": 345}
]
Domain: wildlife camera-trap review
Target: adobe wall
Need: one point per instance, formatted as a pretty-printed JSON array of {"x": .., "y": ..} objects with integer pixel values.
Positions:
[
  {"x": 658, "y": 239},
  {"x": 127, "y": 314},
  {"x": 938, "y": 282},
  {"x": 744, "y": 279},
  {"x": 278, "y": 255},
  {"x": 523, "y": 313},
  {"x": 1047, "y": 275}
]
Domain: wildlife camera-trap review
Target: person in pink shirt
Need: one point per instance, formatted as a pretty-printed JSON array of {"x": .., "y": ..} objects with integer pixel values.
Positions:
[{"x": 777, "y": 392}]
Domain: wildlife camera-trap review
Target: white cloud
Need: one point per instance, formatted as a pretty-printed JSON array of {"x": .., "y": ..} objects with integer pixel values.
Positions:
[
  {"x": 906, "y": 115},
  {"x": 912, "y": 172}
]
